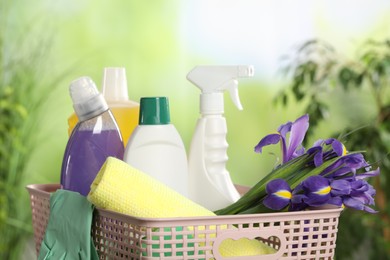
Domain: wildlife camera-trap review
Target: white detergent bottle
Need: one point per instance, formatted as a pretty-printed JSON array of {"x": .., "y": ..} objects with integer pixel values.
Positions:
[
  {"x": 210, "y": 184},
  {"x": 156, "y": 148}
]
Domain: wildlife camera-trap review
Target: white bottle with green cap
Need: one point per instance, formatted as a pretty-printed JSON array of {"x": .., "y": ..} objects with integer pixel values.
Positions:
[{"x": 155, "y": 146}]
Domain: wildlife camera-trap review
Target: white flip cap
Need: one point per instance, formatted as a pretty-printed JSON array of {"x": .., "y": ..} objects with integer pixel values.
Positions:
[{"x": 115, "y": 84}]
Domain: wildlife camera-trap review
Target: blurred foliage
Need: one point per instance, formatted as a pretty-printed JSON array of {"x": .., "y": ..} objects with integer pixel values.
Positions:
[
  {"x": 22, "y": 59},
  {"x": 317, "y": 72}
]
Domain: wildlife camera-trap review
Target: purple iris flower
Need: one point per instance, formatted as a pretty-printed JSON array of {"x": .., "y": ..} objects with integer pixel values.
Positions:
[
  {"x": 355, "y": 161},
  {"x": 278, "y": 194},
  {"x": 363, "y": 191},
  {"x": 298, "y": 203},
  {"x": 362, "y": 194},
  {"x": 337, "y": 146},
  {"x": 354, "y": 203},
  {"x": 350, "y": 192},
  {"x": 298, "y": 200},
  {"x": 317, "y": 190},
  {"x": 338, "y": 149},
  {"x": 341, "y": 183},
  {"x": 297, "y": 132},
  {"x": 346, "y": 164},
  {"x": 320, "y": 190}
]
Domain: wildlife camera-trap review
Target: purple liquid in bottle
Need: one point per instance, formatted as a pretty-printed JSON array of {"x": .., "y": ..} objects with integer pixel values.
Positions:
[
  {"x": 85, "y": 154},
  {"x": 94, "y": 138}
]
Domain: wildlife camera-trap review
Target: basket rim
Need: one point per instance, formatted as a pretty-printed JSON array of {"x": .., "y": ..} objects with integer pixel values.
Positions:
[
  {"x": 46, "y": 189},
  {"x": 234, "y": 219}
]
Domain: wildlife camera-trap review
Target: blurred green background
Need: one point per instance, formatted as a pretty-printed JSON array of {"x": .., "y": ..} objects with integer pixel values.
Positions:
[{"x": 45, "y": 44}]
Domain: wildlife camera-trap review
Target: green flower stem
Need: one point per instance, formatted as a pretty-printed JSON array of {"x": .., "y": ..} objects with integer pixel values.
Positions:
[
  {"x": 261, "y": 208},
  {"x": 297, "y": 179},
  {"x": 293, "y": 180},
  {"x": 254, "y": 195},
  {"x": 294, "y": 172}
]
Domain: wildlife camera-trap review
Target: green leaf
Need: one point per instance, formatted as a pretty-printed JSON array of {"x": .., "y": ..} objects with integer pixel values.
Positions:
[
  {"x": 296, "y": 89},
  {"x": 311, "y": 70},
  {"x": 285, "y": 99},
  {"x": 345, "y": 76},
  {"x": 21, "y": 110}
]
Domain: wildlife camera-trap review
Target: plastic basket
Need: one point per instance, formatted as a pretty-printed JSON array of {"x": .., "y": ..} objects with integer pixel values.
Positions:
[{"x": 296, "y": 235}]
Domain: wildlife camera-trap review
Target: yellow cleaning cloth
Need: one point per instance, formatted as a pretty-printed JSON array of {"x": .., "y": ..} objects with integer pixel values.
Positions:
[{"x": 121, "y": 188}]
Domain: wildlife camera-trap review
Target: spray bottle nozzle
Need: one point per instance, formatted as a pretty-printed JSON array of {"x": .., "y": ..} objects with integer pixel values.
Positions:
[
  {"x": 246, "y": 71},
  {"x": 213, "y": 81}
]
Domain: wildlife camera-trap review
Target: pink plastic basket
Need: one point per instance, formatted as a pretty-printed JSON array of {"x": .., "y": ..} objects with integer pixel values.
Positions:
[{"x": 295, "y": 235}]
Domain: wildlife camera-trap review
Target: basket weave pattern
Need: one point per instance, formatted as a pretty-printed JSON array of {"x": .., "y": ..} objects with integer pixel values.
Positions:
[{"x": 295, "y": 235}]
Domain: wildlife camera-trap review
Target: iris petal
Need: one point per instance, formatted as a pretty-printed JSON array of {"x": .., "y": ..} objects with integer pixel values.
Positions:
[
  {"x": 317, "y": 200},
  {"x": 332, "y": 167},
  {"x": 297, "y": 134},
  {"x": 352, "y": 161},
  {"x": 368, "y": 174},
  {"x": 298, "y": 152},
  {"x": 297, "y": 202},
  {"x": 341, "y": 172},
  {"x": 284, "y": 129},
  {"x": 274, "y": 202},
  {"x": 317, "y": 190},
  {"x": 355, "y": 161},
  {"x": 335, "y": 201},
  {"x": 277, "y": 185},
  {"x": 340, "y": 187},
  {"x": 324, "y": 191},
  {"x": 359, "y": 186},
  {"x": 283, "y": 194},
  {"x": 318, "y": 156},
  {"x": 353, "y": 203},
  {"x": 357, "y": 204},
  {"x": 364, "y": 198},
  {"x": 319, "y": 142},
  {"x": 267, "y": 140},
  {"x": 315, "y": 184},
  {"x": 279, "y": 194},
  {"x": 337, "y": 146},
  {"x": 363, "y": 192}
]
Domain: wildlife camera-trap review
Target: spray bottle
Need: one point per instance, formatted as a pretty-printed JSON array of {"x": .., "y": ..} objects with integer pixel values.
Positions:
[{"x": 210, "y": 184}]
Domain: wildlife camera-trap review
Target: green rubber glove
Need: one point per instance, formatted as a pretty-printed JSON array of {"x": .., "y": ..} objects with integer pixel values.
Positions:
[{"x": 68, "y": 232}]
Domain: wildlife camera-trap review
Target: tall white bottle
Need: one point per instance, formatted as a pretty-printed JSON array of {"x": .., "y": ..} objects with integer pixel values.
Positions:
[
  {"x": 210, "y": 184},
  {"x": 156, "y": 148}
]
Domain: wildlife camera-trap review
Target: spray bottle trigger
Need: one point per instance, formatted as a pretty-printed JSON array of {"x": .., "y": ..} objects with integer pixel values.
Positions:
[{"x": 232, "y": 87}]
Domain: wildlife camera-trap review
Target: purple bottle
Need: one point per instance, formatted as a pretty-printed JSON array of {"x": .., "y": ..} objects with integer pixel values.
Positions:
[{"x": 95, "y": 137}]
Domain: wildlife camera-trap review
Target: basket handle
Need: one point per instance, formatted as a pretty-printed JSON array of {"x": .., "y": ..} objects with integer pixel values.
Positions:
[{"x": 253, "y": 234}]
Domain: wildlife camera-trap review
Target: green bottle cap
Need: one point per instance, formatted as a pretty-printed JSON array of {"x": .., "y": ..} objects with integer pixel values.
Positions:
[{"x": 154, "y": 111}]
